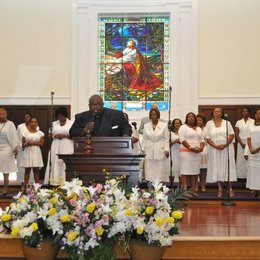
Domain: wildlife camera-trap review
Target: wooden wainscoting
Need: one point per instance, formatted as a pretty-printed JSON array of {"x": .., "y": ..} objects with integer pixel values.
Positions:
[
  {"x": 44, "y": 115},
  {"x": 234, "y": 111}
]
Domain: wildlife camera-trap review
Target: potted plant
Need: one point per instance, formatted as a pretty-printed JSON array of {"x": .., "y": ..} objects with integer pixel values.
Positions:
[
  {"x": 87, "y": 233},
  {"x": 87, "y": 221},
  {"x": 148, "y": 221},
  {"x": 34, "y": 216}
]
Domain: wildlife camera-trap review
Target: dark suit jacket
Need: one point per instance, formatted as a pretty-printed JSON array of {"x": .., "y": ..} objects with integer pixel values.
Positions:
[{"x": 110, "y": 123}]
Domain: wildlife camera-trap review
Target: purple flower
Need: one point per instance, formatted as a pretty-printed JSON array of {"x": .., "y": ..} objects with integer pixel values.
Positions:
[{"x": 99, "y": 223}]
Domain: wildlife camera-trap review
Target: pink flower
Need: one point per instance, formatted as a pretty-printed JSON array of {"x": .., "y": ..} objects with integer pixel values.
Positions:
[
  {"x": 73, "y": 202},
  {"x": 99, "y": 187},
  {"x": 105, "y": 217}
]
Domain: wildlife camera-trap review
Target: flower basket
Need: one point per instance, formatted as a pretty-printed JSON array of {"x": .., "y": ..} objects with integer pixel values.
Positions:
[
  {"x": 141, "y": 250},
  {"x": 86, "y": 222},
  {"x": 45, "y": 251}
]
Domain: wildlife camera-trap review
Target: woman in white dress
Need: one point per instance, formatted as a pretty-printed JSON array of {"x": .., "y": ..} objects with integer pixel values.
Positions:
[
  {"x": 192, "y": 144},
  {"x": 201, "y": 122},
  {"x": 156, "y": 148},
  {"x": 219, "y": 134},
  {"x": 22, "y": 129},
  {"x": 33, "y": 139},
  {"x": 175, "y": 145},
  {"x": 241, "y": 132},
  {"x": 61, "y": 144},
  {"x": 9, "y": 142},
  {"x": 253, "y": 141}
]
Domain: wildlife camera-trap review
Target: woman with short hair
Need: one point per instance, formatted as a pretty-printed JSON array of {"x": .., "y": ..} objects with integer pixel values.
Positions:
[
  {"x": 219, "y": 134},
  {"x": 61, "y": 144},
  {"x": 156, "y": 148},
  {"x": 241, "y": 132},
  {"x": 9, "y": 142},
  {"x": 253, "y": 141},
  {"x": 192, "y": 144}
]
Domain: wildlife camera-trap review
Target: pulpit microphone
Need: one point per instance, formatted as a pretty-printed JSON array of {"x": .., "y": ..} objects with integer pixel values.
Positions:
[
  {"x": 52, "y": 93},
  {"x": 226, "y": 116},
  {"x": 94, "y": 114}
]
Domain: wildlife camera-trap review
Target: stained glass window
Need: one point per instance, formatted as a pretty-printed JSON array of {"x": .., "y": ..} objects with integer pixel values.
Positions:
[{"x": 134, "y": 62}]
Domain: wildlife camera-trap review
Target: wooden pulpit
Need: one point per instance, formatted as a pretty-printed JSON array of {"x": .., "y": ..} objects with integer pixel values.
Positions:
[{"x": 114, "y": 154}]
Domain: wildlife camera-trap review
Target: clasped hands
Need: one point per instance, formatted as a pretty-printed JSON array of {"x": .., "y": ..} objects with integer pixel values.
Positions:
[
  {"x": 196, "y": 149},
  {"x": 60, "y": 136}
]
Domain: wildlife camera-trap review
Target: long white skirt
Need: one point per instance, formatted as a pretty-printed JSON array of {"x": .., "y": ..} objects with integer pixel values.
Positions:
[
  {"x": 253, "y": 177},
  {"x": 218, "y": 165},
  {"x": 156, "y": 170},
  {"x": 241, "y": 163},
  {"x": 57, "y": 175}
]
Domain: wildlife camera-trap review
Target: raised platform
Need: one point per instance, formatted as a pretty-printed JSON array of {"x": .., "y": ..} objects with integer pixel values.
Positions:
[
  {"x": 207, "y": 231},
  {"x": 183, "y": 248}
]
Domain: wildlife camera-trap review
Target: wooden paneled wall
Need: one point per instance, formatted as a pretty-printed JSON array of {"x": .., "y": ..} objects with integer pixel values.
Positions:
[
  {"x": 234, "y": 112},
  {"x": 44, "y": 115}
]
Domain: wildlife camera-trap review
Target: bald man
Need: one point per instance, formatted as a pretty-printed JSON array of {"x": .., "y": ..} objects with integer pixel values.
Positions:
[{"x": 100, "y": 121}]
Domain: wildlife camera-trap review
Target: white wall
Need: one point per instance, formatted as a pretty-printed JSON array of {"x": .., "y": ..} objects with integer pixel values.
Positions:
[
  {"x": 229, "y": 55},
  {"x": 35, "y": 51}
]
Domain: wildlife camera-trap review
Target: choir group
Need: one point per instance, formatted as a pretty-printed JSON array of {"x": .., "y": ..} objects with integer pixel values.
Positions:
[{"x": 195, "y": 152}]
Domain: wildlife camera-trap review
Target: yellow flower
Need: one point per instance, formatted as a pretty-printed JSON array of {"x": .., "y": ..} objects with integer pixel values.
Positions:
[
  {"x": 6, "y": 217},
  {"x": 65, "y": 218},
  {"x": 177, "y": 214},
  {"x": 129, "y": 212},
  {"x": 91, "y": 207},
  {"x": 53, "y": 200},
  {"x": 52, "y": 211},
  {"x": 159, "y": 221},
  {"x": 139, "y": 230},
  {"x": 149, "y": 210},
  {"x": 34, "y": 226},
  {"x": 75, "y": 196},
  {"x": 99, "y": 231},
  {"x": 169, "y": 220},
  {"x": 21, "y": 200},
  {"x": 72, "y": 235},
  {"x": 15, "y": 231}
]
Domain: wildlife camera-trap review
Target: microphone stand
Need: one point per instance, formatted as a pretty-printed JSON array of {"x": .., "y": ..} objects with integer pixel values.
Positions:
[
  {"x": 171, "y": 178},
  {"x": 228, "y": 202},
  {"x": 51, "y": 126}
]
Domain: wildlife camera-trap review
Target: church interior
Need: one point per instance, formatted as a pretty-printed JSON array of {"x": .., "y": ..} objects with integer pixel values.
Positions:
[{"x": 52, "y": 55}]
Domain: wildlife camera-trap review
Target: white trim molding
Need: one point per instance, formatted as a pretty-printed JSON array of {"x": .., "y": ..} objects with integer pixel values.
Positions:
[{"x": 183, "y": 49}]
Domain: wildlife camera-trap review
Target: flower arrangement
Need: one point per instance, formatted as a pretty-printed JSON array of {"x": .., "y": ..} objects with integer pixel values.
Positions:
[
  {"x": 35, "y": 215},
  {"x": 148, "y": 215},
  {"x": 87, "y": 221},
  {"x": 87, "y": 234}
]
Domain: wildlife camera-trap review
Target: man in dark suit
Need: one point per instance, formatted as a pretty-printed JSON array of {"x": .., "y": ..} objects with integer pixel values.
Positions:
[{"x": 100, "y": 121}]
